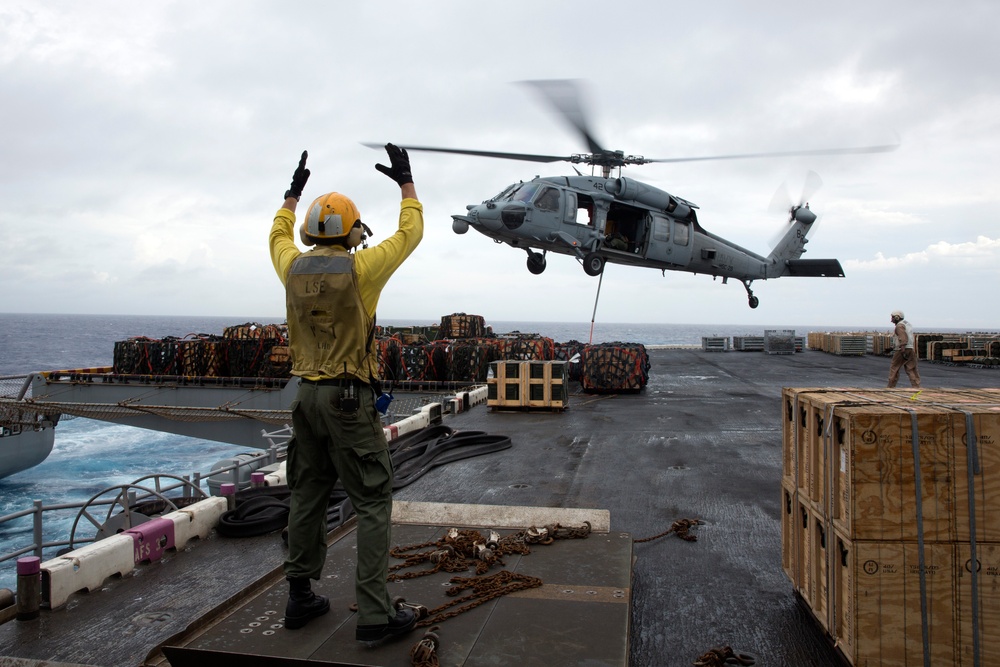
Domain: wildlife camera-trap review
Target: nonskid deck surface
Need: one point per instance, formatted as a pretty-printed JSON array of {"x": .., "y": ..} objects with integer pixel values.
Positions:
[
  {"x": 580, "y": 613},
  {"x": 702, "y": 441}
]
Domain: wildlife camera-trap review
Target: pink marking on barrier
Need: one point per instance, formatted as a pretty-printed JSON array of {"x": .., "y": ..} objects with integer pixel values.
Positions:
[
  {"x": 151, "y": 539},
  {"x": 393, "y": 431}
]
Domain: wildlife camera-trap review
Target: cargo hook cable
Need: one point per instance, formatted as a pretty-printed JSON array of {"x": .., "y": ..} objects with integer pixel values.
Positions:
[{"x": 594, "y": 315}]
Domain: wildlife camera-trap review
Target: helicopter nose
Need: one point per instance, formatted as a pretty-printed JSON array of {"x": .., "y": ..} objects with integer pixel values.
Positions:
[{"x": 484, "y": 216}]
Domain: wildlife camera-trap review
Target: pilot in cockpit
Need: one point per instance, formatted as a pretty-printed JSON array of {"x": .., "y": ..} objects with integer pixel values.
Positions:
[{"x": 548, "y": 201}]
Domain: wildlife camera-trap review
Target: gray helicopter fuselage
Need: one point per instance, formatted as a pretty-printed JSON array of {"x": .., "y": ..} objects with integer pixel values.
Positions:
[{"x": 623, "y": 221}]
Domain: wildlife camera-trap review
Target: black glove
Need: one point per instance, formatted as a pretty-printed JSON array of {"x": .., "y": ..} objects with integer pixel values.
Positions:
[
  {"x": 299, "y": 178},
  {"x": 400, "y": 169},
  {"x": 907, "y": 354}
]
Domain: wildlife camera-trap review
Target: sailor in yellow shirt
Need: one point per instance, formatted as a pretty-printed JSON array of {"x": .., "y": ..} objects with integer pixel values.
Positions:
[{"x": 332, "y": 293}]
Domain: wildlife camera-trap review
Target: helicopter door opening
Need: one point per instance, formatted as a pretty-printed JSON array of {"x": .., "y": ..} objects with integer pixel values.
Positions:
[
  {"x": 625, "y": 228},
  {"x": 579, "y": 209}
]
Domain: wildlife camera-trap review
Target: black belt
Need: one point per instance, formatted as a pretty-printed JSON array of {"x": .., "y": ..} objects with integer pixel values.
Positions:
[{"x": 336, "y": 382}]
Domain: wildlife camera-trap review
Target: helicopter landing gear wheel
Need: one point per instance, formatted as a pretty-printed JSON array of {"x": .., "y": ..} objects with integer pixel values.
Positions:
[
  {"x": 751, "y": 299},
  {"x": 536, "y": 262},
  {"x": 593, "y": 264}
]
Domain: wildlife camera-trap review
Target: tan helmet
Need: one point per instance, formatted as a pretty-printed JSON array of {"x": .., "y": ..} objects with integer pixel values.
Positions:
[
  {"x": 897, "y": 313},
  {"x": 331, "y": 217}
]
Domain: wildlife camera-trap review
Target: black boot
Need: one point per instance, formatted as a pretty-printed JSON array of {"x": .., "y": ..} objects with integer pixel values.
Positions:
[
  {"x": 400, "y": 624},
  {"x": 303, "y": 605}
]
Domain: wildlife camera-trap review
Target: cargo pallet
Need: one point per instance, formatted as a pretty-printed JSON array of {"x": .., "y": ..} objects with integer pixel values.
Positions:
[{"x": 528, "y": 385}]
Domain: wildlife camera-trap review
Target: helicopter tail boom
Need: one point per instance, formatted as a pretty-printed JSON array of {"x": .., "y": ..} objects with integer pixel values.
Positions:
[{"x": 786, "y": 254}]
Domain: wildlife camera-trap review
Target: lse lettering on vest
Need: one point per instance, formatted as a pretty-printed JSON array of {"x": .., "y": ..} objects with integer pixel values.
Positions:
[{"x": 330, "y": 331}]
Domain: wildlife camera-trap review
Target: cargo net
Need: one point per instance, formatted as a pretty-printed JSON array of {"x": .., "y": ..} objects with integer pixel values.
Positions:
[
  {"x": 460, "y": 325},
  {"x": 245, "y": 350},
  {"x": 423, "y": 362},
  {"x": 565, "y": 352},
  {"x": 614, "y": 367},
  {"x": 470, "y": 359}
]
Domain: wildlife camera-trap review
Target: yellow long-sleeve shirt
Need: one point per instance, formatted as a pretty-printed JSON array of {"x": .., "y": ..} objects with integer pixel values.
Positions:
[{"x": 374, "y": 265}]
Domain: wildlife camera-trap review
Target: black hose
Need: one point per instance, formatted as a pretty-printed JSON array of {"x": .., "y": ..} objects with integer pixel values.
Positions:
[{"x": 263, "y": 510}]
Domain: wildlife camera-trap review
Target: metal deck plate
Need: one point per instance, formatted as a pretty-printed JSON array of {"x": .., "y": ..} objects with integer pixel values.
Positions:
[{"x": 579, "y": 616}]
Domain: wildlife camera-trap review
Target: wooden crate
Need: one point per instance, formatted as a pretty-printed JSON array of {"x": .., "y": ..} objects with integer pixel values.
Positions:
[
  {"x": 985, "y": 497},
  {"x": 853, "y": 456},
  {"x": 873, "y": 473},
  {"x": 876, "y": 598},
  {"x": 986, "y": 621}
]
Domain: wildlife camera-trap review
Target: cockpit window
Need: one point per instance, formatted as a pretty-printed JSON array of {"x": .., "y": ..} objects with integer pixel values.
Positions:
[
  {"x": 548, "y": 200},
  {"x": 505, "y": 193},
  {"x": 525, "y": 192}
]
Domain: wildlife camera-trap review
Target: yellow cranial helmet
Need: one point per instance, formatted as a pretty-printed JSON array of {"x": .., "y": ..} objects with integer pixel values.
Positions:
[{"x": 330, "y": 217}]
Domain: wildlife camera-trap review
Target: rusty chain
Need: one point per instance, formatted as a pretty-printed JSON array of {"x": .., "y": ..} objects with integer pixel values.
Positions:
[
  {"x": 460, "y": 550},
  {"x": 723, "y": 656},
  {"x": 424, "y": 652},
  {"x": 681, "y": 528}
]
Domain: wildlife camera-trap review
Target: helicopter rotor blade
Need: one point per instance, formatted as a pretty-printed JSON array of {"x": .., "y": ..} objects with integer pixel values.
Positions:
[
  {"x": 526, "y": 157},
  {"x": 564, "y": 96},
  {"x": 886, "y": 148},
  {"x": 781, "y": 202},
  {"x": 809, "y": 188}
]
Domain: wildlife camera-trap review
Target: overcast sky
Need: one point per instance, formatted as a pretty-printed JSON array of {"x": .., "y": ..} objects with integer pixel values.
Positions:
[{"x": 146, "y": 147}]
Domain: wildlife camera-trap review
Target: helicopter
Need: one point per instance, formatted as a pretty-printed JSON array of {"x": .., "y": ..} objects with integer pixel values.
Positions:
[{"x": 608, "y": 218}]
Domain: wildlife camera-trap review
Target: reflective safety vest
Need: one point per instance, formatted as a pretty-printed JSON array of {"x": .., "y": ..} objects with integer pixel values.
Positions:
[
  {"x": 909, "y": 336},
  {"x": 329, "y": 332}
]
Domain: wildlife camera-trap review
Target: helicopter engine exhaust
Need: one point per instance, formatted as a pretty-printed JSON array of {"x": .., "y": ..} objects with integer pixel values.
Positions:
[{"x": 624, "y": 188}]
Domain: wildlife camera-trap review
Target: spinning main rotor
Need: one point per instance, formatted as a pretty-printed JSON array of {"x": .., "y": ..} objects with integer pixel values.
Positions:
[{"x": 563, "y": 95}]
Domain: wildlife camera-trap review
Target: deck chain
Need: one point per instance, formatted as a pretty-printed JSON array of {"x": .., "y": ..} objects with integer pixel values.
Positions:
[
  {"x": 681, "y": 528},
  {"x": 460, "y": 550},
  {"x": 484, "y": 589},
  {"x": 723, "y": 656}
]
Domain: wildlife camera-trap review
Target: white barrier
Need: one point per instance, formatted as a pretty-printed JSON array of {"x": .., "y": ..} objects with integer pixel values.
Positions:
[
  {"x": 497, "y": 516},
  {"x": 86, "y": 568},
  {"x": 277, "y": 478},
  {"x": 196, "y": 520}
]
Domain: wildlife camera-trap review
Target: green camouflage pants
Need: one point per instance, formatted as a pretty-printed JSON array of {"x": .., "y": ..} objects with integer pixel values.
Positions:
[{"x": 329, "y": 444}]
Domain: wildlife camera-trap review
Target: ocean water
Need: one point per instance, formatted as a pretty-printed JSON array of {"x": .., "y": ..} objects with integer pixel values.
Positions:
[{"x": 90, "y": 456}]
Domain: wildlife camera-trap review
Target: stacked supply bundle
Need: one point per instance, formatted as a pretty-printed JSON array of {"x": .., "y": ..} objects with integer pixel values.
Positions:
[
  {"x": 390, "y": 363},
  {"x": 424, "y": 362},
  {"x": 526, "y": 347},
  {"x": 201, "y": 355},
  {"x": 248, "y": 348},
  {"x": 614, "y": 367},
  {"x": 469, "y": 359},
  {"x": 566, "y": 352},
  {"x": 460, "y": 325},
  {"x": 146, "y": 356}
]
